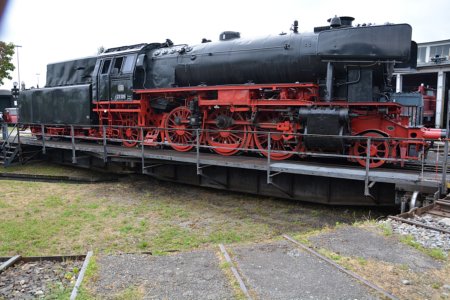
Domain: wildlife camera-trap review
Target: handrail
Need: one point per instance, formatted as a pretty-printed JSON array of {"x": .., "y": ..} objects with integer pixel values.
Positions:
[{"x": 198, "y": 146}]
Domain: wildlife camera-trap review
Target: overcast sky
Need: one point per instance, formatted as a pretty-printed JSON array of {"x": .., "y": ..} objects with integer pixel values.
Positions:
[{"x": 52, "y": 30}]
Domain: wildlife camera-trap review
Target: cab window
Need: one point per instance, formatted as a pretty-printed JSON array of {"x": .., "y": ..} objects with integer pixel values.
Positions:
[
  {"x": 105, "y": 67},
  {"x": 128, "y": 64},
  {"x": 117, "y": 68}
]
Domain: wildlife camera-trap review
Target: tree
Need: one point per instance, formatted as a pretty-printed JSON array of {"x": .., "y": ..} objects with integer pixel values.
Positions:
[
  {"x": 100, "y": 50},
  {"x": 6, "y": 55}
]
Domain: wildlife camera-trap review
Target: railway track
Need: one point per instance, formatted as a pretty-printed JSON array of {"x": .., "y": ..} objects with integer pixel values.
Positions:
[
  {"x": 369, "y": 284},
  {"x": 40, "y": 277},
  {"x": 251, "y": 293},
  {"x": 435, "y": 216},
  {"x": 52, "y": 178}
]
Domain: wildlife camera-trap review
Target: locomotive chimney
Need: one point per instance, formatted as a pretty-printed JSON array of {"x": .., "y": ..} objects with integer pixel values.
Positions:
[
  {"x": 347, "y": 21},
  {"x": 335, "y": 22}
]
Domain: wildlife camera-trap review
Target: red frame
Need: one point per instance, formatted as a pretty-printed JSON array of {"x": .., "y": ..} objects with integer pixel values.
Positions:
[{"x": 234, "y": 104}]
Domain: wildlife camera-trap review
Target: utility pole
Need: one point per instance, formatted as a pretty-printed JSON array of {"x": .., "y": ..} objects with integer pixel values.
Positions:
[{"x": 18, "y": 65}]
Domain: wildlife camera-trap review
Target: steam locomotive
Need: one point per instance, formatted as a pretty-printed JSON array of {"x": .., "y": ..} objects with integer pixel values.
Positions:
[{"x": 281, "y": 95}]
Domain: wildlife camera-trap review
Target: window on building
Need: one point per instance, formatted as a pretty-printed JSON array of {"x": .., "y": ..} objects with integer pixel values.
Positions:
[
  {"x": 441, "y": 50},
  {"x": 421, "y": 53}
]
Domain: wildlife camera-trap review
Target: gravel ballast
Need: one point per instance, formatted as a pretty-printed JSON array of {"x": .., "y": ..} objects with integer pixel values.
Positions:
[
  {"x": 37, "y": 279},
  {"x": 428, "y": 238}
]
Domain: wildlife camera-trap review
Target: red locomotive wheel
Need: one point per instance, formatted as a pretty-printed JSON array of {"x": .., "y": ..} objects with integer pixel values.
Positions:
[
  {"x": 279, "y": 141},
  {"x": 228, "y": 139},
  {"x": 129, "y": 135},
  {"x": 379, "y": 149},
  {"x": 178, "y": 131}
]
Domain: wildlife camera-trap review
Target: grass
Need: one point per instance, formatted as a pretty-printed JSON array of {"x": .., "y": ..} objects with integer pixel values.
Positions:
[
  {"x": 58, "y": 292},
  {"x": 140, "y": 214},
  {"x": 130, "y": 293},
  {"x": 304, "y": 236},
  {"x": 435, "y": 253},
  {"x": 226, "y": 269},
  {"x": 90, "y": 276},
  {"x": 48, "y": 218},
  {"x": 386, "y": 229}
]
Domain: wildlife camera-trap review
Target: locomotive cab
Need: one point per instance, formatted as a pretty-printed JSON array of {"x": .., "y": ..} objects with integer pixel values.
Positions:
[
  {"x": 115, "y": 77},
  {"x": 118, "y": 71},
  {"x": 114, "y": 74}
]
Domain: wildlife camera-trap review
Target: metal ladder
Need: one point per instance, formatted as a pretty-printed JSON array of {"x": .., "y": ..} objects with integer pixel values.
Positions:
[{"x": 10, "y": 150}]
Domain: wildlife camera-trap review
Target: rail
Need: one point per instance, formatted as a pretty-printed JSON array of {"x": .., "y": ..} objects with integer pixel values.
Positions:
[{"x": 197, "y": 134}]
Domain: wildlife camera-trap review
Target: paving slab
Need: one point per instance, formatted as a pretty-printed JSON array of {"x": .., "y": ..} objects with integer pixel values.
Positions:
[
  {"x": 359, "y": 242},
  {"x": 282, "y": 271},
  {"x": 188, "y": 275}
]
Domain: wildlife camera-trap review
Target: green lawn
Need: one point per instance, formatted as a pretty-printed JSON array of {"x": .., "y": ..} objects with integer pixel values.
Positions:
[{"x": 142, "y": 214}]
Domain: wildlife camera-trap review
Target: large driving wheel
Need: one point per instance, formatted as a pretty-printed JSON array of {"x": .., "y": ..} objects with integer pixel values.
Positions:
[
  {"x": 178, "y": 131},
  {"x": 379, "y": 150},
  {"x": 226, "y": 132},
  {"x": 279, "y": 141}
]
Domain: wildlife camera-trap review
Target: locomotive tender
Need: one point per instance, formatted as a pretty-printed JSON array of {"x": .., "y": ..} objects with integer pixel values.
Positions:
[{"x": 309, "y": 90}]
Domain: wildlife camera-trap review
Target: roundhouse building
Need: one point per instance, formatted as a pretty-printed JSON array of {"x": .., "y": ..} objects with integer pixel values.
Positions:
[{"x": 433, "y": 71}]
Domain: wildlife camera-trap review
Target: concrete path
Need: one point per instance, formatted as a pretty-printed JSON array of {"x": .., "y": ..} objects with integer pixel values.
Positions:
[
  {"x": 277, "y": 270},
  {"x": 358, "y": 242},
  {"x": 282, "y": 271},
  {"x": 189, "y": 275}
]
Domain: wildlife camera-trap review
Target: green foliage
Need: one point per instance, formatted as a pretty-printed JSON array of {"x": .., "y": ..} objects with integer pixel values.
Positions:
[
  {"x": 332, "y": 255},
  {"x": 409, "y": 240},
  {"x": 437, "y": 253},
  {"x": 91, "y": 270},
  {"x": 229, "y": 236},
  {"x": 53, "y": 201},
  {"x": 436, "y": 285},
  {"x": 143, "y": 245},
  {"x": 6, "y": 66},
  {"x": 130, "y": 293},
  {"x": 434, "y": 252},
  {"x": 225, "y": 265},
  {"x": 362, "y": 261},
  {"x": 58, "y": 292},
  {"x": 386, "y": 228}
]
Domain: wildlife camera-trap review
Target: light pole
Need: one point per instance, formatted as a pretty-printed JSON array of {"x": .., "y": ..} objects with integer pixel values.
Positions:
[
  {"x": 37, "y": 75},
  {"x": 18, "y": 65}
]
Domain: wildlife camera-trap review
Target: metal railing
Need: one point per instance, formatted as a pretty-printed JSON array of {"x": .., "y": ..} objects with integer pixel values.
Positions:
[{"x": 199, "y": 147}]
